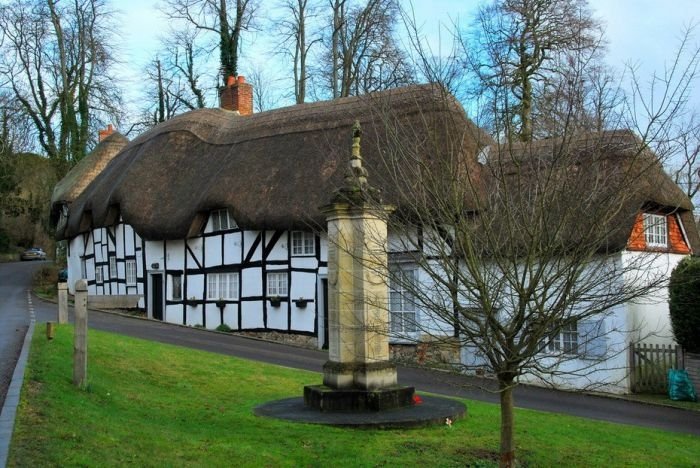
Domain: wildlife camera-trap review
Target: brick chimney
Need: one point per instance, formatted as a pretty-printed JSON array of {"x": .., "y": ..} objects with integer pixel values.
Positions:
[
  {"x": 102, "y": 134},
  {"x": 237, "y": 95}
]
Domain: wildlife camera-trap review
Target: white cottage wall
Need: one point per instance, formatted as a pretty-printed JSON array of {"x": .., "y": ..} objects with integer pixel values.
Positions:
[{"x": 649, "y": 316}]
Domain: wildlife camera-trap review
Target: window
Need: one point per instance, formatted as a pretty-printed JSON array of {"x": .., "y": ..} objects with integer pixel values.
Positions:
[
  {"x": 303, "y": 243},
  {"x": 98, "y": 274},
  {"x": 130, "y": 272},
  {"x": 401, "y": 302},
  {"x": 221, "y": 220},
  {"x": 277, "y": 284},
  {"x": 177, "y": 287},
  {"x": 83, "y": 268},
  {"x": 655, "y": 230},
  {"x": 566, "y": 340},
  {"x": 222, "y": 286},
  {"x": 112, "y": 268}
]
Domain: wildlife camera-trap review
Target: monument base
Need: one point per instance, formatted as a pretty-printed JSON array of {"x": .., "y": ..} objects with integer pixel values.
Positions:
[{"x": 324, "y": 398}]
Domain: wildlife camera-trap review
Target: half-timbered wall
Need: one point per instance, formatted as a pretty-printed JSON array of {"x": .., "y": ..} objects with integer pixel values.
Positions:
[
  {"x": 189, "y": 266},
  {"x": 110, "y": 259}
]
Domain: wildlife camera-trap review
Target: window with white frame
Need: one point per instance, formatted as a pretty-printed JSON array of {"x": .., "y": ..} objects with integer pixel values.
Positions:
[
  {"x": 221, "y": 220},
  {"x": 83, "y": 268},
  {"x": 130, "y": 266},
  {"x": 222, "y": 286},
  {"x": 566, "y": 340},
  {"x": 277, "y": 284},
  {"x": 303, "y": 243},
  {"x": 98, "y": 274},
  {"x": 655, "y": 230},
  {"x": 402, "y": 307},
  {"x": 112, "y": 267},
  {"x": 177, "y": 287}
]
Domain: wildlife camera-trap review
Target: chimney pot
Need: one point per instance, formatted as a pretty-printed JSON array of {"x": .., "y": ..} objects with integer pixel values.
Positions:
[
  {"x": 237, "y": 95},
  {"x": 102, "y": 134}
]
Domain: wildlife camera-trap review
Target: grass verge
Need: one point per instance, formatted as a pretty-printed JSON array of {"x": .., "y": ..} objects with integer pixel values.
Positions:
[{"x": 151, "y": 404}]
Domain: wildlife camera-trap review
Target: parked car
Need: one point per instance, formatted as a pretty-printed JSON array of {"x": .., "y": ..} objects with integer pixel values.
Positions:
[{"x": 35, "y": 253}]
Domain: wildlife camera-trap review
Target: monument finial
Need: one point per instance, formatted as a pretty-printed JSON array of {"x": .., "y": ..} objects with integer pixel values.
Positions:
[{"x": 356, "y": 176}]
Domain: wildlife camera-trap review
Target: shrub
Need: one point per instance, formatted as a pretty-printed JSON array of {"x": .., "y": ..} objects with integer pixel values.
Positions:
[
  {"x": 224, "y": 328},
  {"x": 684, "y": 303}
]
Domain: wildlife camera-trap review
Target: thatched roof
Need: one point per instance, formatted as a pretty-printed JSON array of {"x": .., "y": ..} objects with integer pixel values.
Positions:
[
  {"x": 74, "y": 183},
  {"x": 272, "y": 170},
  {"x": 607, "y": 174}
]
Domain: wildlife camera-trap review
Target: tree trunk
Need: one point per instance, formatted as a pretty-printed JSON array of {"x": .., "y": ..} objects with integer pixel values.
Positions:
[{"x": 507, "y": 425}]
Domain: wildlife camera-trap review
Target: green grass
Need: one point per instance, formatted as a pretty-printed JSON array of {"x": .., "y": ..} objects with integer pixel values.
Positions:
[{"x": 150, "y": 404}]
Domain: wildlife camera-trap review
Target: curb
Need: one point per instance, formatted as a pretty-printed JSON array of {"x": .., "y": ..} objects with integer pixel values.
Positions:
[{"x": 9, "y": 409}]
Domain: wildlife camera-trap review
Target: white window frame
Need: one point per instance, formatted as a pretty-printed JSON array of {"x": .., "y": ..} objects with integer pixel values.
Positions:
[
  {"x": 83, "y": 268},
  {"x": 402, "y": 307},
  {"x": 131, "y": 272},
  {"x": 655, "y": 230},
  {"x": 113, "y": 267},
  {"x": 566, "y": 340},
  {"x": 223, "y": 286},
  {"x": 221, "y": 220},
  {"x": 277, "y": 284},
  {"x": 303, "y": 243},
  {"x": 176, "y": 287},
  {"x": 99, "y": 279}
]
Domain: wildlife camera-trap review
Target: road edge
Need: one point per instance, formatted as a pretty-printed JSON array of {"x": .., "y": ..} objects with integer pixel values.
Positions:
[{"x": 9, "y": 409}]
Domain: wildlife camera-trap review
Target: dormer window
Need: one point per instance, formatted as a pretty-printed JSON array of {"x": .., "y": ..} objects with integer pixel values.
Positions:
[
  {"x": 221, "y": 220},
  {"x": 655, "y": 230}
]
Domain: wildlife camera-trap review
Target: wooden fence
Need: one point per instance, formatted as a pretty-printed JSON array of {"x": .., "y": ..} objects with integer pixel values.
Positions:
[{"x": 649, "y": 365}]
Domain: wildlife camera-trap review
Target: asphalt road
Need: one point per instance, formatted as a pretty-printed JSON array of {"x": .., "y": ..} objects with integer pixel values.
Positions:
[
  {"x": 15, "y": 279},
  {"x": 593, "y": 407}
]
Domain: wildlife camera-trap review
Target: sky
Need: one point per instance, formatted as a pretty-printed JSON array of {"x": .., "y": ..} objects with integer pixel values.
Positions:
[{"x": 644, "y": 33}]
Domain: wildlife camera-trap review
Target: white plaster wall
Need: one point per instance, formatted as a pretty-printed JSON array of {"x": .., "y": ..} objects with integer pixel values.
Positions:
[
  {"x": 174, "y": 313},
  {"x": 251, "y": 281},
  {"x": 231, "y": 315},
  {"x": 195, "y": 287},
  {"x": 154, "y": 254},
  {"x": 213, "y": 256},
  {"x": 280, "y": 250},
  {"x": 304, "y": 262},
  {"x": 194, "y": 315},
  {"x": 73, "y": 261},
  {"x": 324, "y": 247},
  {"x": 649, "y": 315},
  {"x": 195, "y": 246},
  {"x": 252, "y": 314},
  {"x": 402, "y": 241},
  {"x": 175, "y": 255},
  {"x": 248, "y": 241},
  {"x": 277, "y": 316},
  {"x": 213, "y": 316},
  {"x": 232, "y": 248}
]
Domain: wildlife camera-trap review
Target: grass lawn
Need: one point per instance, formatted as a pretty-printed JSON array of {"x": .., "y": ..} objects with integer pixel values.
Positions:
[{"x": 151, "y": 404}]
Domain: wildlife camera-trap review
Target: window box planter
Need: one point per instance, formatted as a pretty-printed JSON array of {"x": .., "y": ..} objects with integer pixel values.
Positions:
[
  {"x": 275, "y": 301},
  {"x": 301, "y": 302},
  {"x": 220, "y": 303}
]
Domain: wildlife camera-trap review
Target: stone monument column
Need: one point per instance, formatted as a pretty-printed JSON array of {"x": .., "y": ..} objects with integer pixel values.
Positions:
[{"x": 358, "y": 374}]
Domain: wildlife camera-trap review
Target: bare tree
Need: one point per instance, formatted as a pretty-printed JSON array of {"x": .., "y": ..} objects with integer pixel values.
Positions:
[
  {"x": 520, "y": 46},
  {"x": 265, "y": 92},
  {"x": 514, "y": 249},
  {"x": 296, "y": 38},
  {"x": 687, "y": 173},
  {"x": 216, "y": 18},
  {"x": 57, "y": 61},
  {"x": 361, "y": 53}
]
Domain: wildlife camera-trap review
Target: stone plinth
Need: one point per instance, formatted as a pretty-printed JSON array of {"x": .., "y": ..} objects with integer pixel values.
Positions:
[{"x": 325, "y": 398}]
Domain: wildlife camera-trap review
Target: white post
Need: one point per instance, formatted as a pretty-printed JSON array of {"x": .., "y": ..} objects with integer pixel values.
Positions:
[
  {"x": 80, "y": 338},
  {"x": 62, "y": 302}
]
